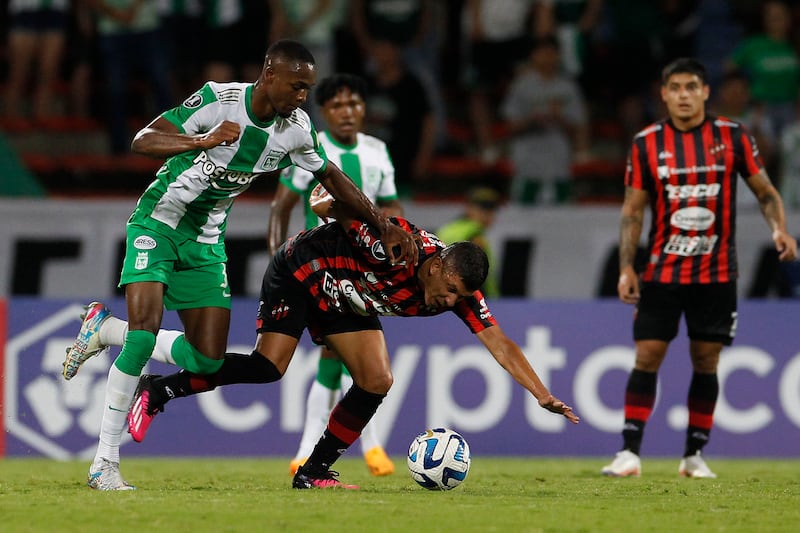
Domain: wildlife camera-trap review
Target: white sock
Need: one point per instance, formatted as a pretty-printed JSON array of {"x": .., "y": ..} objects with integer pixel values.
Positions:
[
  {"x": 120, "y": 388},
  {"x": 319, "y": 403},
  {"x": 112, "y": 331},
  {"x": 163, "y": 350},
  {"x": 345, "y": 382},
  {"x": 369, "y": 437}
]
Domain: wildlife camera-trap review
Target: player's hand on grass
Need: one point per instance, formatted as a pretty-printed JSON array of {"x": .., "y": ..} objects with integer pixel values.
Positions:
[{"x": 554, "y": 405}]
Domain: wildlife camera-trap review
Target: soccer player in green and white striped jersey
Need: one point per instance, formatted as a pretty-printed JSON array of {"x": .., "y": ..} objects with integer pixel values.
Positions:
[
  {"x": 215, "y": 143},
  {"x": 365, "y": 160}
]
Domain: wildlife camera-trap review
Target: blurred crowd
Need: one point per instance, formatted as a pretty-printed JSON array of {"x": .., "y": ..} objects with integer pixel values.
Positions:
[{"x": 527, "y": 91}]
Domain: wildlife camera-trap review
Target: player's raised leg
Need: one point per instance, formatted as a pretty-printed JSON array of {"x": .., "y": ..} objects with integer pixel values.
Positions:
[{"x": 123, "y": 377}]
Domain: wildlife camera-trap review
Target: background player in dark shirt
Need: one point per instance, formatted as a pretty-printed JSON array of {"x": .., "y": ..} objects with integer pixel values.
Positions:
[
  {"x": 335, "y": 280},
  {"x": 686, "y": 167}
]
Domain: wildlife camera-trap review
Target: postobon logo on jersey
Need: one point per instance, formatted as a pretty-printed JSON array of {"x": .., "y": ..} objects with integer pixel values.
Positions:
[{"x": 221, "y": 175}]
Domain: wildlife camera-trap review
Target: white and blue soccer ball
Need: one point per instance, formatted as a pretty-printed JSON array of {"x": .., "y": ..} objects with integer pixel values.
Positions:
[{"x": 439, "y": 459}]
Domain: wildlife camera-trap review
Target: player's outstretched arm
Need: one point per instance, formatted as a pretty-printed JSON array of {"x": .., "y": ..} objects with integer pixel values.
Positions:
[
  {"x": 161, "y": 138},
  {"x": 398, "y": 243},
  {"x": 510, "y": 356}
]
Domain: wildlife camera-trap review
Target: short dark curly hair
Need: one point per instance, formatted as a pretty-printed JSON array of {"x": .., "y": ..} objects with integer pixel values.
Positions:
[
  {"x": 684, "y": 65},
  {"x": 330, "y": 87},
  {"x": 468, "y": 261},
  {"x": 290, "y": 50}
]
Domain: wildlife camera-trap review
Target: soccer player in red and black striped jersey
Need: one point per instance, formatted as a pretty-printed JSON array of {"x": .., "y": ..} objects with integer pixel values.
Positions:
[
  {"x": 336, "y": 280},
  {"x": 686, "y": 168}
]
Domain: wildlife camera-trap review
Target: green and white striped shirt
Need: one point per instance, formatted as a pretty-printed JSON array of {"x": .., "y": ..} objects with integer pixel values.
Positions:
[
  {"x": 367, "y": 163},
  {"x": 194, "y": 191}
]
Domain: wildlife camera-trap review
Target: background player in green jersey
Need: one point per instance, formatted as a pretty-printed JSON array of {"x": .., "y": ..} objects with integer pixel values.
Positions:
[
  {"x": 216, "y": 143},
  {"x": 365, "y": 160}
]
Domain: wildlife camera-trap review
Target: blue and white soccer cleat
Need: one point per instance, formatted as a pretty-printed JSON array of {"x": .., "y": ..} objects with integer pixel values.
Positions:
[
  {"x": 104, "y": 475},
  {"x": 87, "y": 344}
]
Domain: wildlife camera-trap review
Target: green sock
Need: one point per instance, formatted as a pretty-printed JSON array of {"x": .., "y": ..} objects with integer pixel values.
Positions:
[
  {"x": 189, "y": 358},
  {"x": 329, "y": 373},
  {"x": 136, "y": 351}
]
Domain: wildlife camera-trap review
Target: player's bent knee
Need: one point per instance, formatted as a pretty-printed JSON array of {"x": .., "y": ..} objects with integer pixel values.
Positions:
[
  {"x": 378, "y": 384},
  {"x": 190, "y": 358},
  {"x": 136, "y": 351}
]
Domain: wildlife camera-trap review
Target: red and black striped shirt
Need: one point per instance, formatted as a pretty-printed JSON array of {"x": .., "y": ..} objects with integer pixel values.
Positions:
[
  {"x": 349, "y": 272},
  {"x": 691, "y": 177}
]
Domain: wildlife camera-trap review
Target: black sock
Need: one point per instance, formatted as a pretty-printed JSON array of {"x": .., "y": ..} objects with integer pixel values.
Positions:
[
  {"x": 236, "y": 368},
  {"x": 253, "y": 368},
  {"x": 348, "y": 418},
  {"x": 703, "y": 393},
  {"x": 640, "y": 395}
]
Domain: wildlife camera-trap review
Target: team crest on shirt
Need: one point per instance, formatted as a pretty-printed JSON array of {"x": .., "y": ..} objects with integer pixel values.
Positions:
[
  {"x": 280, "y": 311},
  {"x": 718, "y": 150},
  {"x": 142, "y": 260},
  {"x": 194, "y": 101},
  {"x": 272, "y": 159}
]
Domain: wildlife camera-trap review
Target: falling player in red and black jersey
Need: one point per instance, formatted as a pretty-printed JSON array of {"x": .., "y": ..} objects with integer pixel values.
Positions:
[
  {"x": 335, "y": 280},
  {"x": 686, "y": 167}
]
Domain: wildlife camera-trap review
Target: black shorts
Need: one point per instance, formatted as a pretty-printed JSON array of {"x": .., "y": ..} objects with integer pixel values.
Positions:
[
  {"x": 40, "y": 21},
  {"x": 287, "y": 307},
  {"x": 710, "y": 311}
]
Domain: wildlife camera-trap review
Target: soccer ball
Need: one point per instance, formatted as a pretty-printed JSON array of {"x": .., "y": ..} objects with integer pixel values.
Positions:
[{"x": 439, "y": 459}]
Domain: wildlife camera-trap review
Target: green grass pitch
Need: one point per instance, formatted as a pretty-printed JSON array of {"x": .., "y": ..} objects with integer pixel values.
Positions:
[{"x": 500, "y": 494}]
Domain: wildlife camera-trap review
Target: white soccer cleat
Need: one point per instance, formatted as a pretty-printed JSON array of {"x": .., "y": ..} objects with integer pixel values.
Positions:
[
  {"x": 104, "y": 475},
  {"x": 694, "y": 466},
  {"x": 87, "y": 344},
  {"x": 625, "y": 464}
]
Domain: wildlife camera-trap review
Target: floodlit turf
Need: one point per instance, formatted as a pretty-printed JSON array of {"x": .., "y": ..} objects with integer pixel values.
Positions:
[{"x": 508, "y": 495}]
